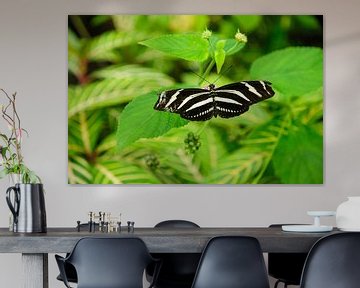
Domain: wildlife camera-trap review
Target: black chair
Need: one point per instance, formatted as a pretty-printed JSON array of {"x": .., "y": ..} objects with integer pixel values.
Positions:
[
  {"x": 232, "y": 262},
  {"x": 286, "y": 267},
  {"x": 176, "y": 224},
  {"x": 178, "y": 269},
  {"x": 333, "y": 262},
  {"x": 108, "y": 263},
  {"x": 69, "y": 269}
]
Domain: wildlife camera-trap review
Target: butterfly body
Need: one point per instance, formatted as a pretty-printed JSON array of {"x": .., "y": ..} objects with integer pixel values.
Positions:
[{"x": 227, "y": 101}]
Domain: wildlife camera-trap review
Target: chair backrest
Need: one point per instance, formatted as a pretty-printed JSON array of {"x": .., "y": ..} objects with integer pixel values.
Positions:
[
  {"x": 287, "y": 267},
  {"x": 232, "y": 262},
  {"x": 110, "y": 262},
  {"x": 178, "y": 269},
  {"x": 333, "y": 262},
  {"x": 176, "y": 224}
]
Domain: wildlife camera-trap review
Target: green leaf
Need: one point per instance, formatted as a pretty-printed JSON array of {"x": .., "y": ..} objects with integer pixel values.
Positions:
[
  {"x": 28, "y": 176},
  {"x": 109, "y": 171},
  {"x": 191, "y": 47},
  {"x": 74, "y": 53},
  {"x": 120, "y": 87},
  {"x": 186, "y": 168},
  {"x": 309, "y": 108},
  {"x": 239, "y": 167},
  {"x": 257, "y": 116},
  {"x": 85, "y": 131},
  {"x": 233, "y": 46},
  {"x": 298, "y": 158},
  {"x": 138, "y": 73},
  {"x": 79, "y": 171},
  {"x": 140, "y": 120},
  {"x": 293, "y": 71},
  {"x": 175, "y": 165},
  {"x": 230, "y": 46},
  {"x": 212, "y": 150},
  {"x": 100, "y": 47},
  {"x": 4, "y": 137},
  {"x": 183, "y": 166},
  {"x": 266, "y": 137},
  {"x": 107, "y": 144},
  {"x": 220, "y": 55},
  {"x": 96, "y": 95}
]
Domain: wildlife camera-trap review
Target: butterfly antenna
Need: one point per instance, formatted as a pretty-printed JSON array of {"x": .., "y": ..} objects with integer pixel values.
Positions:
[
  {"x": 202, "y": 78},
  {"x": 227, "y": 69}
]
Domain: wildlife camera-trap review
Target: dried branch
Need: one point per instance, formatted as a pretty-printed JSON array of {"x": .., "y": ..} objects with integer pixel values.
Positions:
[{"x": 11, "y": 154}]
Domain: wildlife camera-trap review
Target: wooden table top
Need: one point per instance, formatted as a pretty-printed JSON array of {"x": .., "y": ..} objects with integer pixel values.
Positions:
[{"x": 158, "y": 240}]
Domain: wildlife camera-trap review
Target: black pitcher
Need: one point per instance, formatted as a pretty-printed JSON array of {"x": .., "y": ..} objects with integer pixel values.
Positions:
[{"x": 28, "y": 207}]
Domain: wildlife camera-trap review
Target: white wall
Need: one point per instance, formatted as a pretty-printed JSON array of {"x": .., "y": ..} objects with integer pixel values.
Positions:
[{"x": 33, "y": 62}]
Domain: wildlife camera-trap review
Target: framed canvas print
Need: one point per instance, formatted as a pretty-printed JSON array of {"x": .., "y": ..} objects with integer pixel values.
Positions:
[{"x": 195, "y": 99}]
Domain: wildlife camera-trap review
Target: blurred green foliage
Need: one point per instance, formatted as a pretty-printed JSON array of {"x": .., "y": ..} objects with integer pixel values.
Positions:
[{"x": 118, "y": 64}]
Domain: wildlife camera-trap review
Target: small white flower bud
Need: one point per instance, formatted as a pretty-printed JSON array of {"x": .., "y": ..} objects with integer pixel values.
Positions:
[
  {"x": 240, "y": 37},
  {"x": 206, "y": 34}
]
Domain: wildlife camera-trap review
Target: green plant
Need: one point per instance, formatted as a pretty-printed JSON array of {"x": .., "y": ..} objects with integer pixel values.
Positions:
[
  {"x": 293, "y": 149},
  {"x": 115, "y": 135},
  {"x": 12, "y": 161}
]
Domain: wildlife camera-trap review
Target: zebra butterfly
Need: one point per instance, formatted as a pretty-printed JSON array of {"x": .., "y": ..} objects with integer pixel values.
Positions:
[{"x": 227, "y": 101}]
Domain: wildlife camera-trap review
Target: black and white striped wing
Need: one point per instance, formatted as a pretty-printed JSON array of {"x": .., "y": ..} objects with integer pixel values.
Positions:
[
  {"x": 227, "y": 101},
  {"x": 235, "y": 99},
  {"x": 191, "y": 103}
]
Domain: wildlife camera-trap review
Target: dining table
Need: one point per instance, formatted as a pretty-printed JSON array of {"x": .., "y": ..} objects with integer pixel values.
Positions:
[{"x": 35, "y": 247}]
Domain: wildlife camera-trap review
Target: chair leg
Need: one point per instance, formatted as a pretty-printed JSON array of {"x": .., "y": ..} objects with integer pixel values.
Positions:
[{"x": 278, "y": 282}]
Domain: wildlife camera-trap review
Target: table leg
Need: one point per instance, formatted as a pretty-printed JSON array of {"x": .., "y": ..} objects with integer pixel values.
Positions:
[{"x": 35, "y": 270}]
